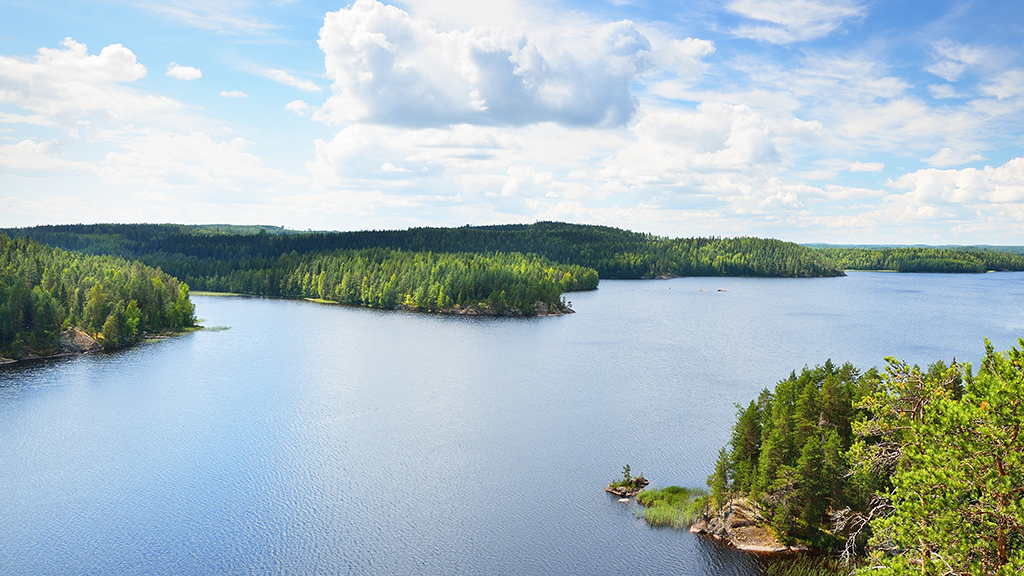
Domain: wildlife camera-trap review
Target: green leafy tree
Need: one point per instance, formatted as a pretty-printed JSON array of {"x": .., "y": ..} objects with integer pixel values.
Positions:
[{"x": 957, "y": 489}]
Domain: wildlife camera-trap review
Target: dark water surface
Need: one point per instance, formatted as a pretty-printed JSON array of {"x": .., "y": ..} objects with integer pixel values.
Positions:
[{"x": 313, "y": 439}]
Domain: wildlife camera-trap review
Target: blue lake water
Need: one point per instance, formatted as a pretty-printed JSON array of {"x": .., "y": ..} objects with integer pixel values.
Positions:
[{"x": 315, "y": 439}]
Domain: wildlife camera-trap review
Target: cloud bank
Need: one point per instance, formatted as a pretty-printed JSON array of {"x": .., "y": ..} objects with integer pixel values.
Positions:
[{"x": 387, "y": 67}]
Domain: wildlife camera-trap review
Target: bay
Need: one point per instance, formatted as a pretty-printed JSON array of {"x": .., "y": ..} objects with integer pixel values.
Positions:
[{"x": 316, "y": 439}]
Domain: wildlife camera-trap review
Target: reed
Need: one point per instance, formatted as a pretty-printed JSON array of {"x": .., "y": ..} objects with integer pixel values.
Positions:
[{"x": 674, "y": 506}]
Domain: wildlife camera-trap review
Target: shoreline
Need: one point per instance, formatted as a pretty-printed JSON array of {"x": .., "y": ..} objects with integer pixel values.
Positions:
[{"x": 75, "y": 342}]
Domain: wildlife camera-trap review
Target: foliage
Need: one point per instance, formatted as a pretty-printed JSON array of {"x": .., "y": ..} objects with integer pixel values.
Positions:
[
  {"x": 924, "y": 468},
  {"x": 193, "y": 254},
  {"x": 807, "y": 566},
  {"x": 44, "y": 290},
  {"x": 629, "y": 481},
  {"x": 916, "y": 259},
  {"x": 381, "y": 278},
  {"x": 954, "y": 497},
  {"x": 672, "y": 506},
  {"x": 787, "y": 451}
]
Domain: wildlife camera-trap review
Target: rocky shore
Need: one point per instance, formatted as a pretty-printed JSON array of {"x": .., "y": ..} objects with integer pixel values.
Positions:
[
  {"x": 72, "y": 341},
  {"x": 629, "y": 488},
  {"x": 484, "y": 309},
  {"x": 741, "y": 523}
]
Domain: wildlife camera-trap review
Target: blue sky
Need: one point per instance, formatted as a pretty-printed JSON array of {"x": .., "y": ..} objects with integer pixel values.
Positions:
[{"x": 840, "y": 121}]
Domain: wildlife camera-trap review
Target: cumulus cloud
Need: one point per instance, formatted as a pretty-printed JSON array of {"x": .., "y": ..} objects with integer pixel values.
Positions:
[
  {"x": 288, "y": 80},
  {"x": 32, "y": 155},
  {"x": 160, "y": 159},
  {"x": 794, "y": 20},
  {"x": 675, "y": 147},
  {"x": 931, "y": 186},
  {"x": 233, "y": 94},
  {"x": 684, "y": 57},
  {"x": 947, "y": 157},
  {"x": 866, "y": 167},
  {"x": 388, "y": 67},
  {"x": 300, "y": 108},
  {"x": 180, "y": 72},
  {"x": 65, "y": 85}
]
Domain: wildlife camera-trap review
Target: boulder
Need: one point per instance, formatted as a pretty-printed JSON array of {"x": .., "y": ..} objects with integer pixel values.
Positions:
[
  {"x": 741, "y": 523},
  {"x": 75, "y": 340}
]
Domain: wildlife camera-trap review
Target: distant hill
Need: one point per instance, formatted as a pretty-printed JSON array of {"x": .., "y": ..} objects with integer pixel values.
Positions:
[
  {"x": 953, "y": 259},
  {"x": 198, "y": 253}
]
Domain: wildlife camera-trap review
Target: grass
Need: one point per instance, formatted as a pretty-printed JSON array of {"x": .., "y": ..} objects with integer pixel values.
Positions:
[
  {"x": 672, "y": 506},
  {"x": 808, "y": 566}
]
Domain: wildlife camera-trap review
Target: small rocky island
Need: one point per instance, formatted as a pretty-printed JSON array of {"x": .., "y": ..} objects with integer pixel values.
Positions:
[{"x": 628, "y": 486}]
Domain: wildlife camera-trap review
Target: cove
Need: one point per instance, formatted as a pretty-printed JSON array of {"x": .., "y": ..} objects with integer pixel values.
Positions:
[{"x": 315, "y": 439}]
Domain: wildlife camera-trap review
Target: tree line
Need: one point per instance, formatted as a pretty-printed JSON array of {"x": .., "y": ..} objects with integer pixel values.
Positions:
[
  {"x": 923, "y": 470},
  {"x": 45, "y": 290},
  {"x": 194, "y": 252},
  {"x": 504, "y": 284},
  {"x": 917, "y": 259}
]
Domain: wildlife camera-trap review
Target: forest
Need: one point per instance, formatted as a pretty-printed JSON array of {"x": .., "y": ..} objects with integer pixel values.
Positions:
[
  {"x": 45, "y": 290},
  {"x": 921, "y": 471},
  {"x": 204, "y": 251},
  {"x": 502, "y": 284},
  {"x": 917, "y": 259}
]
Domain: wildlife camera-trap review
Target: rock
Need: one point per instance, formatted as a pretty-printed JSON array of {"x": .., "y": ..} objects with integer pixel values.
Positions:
[
  {"x": 742, "y": 524},
  {"x": 635, "y": 486},
  {"x": 75, "y": 340}
]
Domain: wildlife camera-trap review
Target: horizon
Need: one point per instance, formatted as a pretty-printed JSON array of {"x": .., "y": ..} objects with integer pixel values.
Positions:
[
  {"x": 311, "y": 231},
  {"x": 817, "y": 122}
]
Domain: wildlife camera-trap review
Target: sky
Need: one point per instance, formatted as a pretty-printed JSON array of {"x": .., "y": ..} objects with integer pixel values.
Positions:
[{"x": 841, "y": 121}]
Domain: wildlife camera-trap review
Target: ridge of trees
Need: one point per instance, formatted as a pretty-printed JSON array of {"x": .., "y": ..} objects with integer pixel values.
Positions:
[
  {"x": 922, "y": 469},
  {"x": 504, "y": 284},
  {"x": 918, "y": 259},
  {"x": 197, "y": 252},
  {"x": 45, "y": 290}
]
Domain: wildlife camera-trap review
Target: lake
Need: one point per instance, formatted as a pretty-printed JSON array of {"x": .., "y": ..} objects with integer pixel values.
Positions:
[{"x": 318, "y": 439}]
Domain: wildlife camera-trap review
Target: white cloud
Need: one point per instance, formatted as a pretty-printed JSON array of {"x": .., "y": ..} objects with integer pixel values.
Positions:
[
  {"x": 388, "y": 67},
  {"x": 224, "y": 16},
  {"x": 180, "y": 72},
  {"x": 288, "y": 80},
  {"x": 679, "y": 148},
  {"x": 794, "y": 20},
  {"x": 1009, "y": 84},
  {"x": 952, "y": 59},
  {"x": 525, "y": 180},
  {"x": 31, "y": 155},
  {"x": 233, "y": 94},
  {"x": 300, "y": 108},
  {"x": 684, "y": 57},
  {"x": 66, "y": 85},
  {"x": 34, "y": 119},
  {"x": 866, "y": 167},
  {"x": 947, "y": 157},
  {"x": 967, "y": 186},
  {"x": 159, "y": 159},
  {"x": 943, "y": 91}
]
